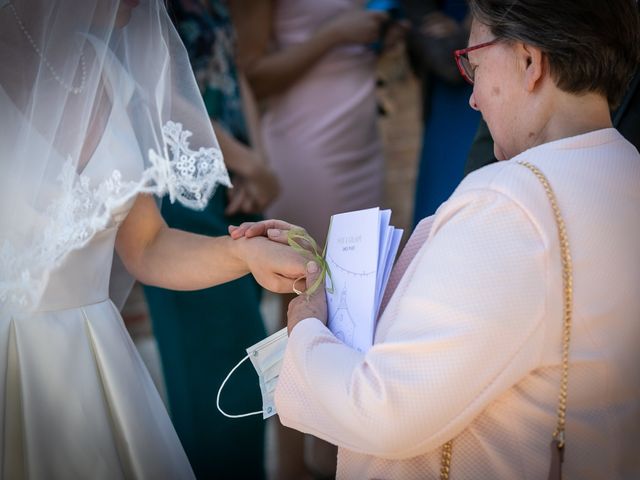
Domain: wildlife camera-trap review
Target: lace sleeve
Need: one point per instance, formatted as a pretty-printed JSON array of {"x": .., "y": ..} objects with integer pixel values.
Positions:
[{"x": 187, "y": 175}]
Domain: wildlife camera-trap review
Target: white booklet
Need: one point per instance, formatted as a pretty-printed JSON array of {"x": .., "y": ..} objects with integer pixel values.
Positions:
[{"x": 361, "y": 248}]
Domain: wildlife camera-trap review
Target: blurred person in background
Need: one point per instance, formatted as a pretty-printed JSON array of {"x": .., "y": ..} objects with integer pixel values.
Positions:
[
  {"x": 312, "y": 67},
  {"x": 199, "y": 333},
  {"x": 438, "y": 27}
]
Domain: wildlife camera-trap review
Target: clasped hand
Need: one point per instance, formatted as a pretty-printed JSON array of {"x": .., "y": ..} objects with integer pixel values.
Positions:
[{"x": 304, "y": 305}]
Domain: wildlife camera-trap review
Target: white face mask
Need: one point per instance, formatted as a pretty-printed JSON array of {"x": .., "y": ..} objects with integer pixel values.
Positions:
[{"x": 266, "y": 357}]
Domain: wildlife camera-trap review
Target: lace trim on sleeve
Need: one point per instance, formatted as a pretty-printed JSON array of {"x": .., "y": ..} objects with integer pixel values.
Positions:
[
  {"x": 186, "y": 175},
  {"x": 81, "y": 210}
]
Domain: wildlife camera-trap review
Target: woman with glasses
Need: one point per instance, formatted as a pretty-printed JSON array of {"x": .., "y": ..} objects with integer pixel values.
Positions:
[{"x": 509, "y": 347}]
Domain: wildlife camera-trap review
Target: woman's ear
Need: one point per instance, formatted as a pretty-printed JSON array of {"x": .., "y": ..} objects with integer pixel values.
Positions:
[{"x": 532, "y": 62}]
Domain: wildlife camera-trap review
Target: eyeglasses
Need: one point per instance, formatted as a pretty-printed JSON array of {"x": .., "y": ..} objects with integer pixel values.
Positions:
[{"x": 462, "y": 59}]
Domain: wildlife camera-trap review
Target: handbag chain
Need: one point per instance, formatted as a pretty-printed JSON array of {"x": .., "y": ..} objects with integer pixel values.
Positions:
[{"x": 558, "y": 441}]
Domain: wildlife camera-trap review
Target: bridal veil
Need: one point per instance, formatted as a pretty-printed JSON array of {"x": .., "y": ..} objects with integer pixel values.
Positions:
[{"x": 61, "y": 62}]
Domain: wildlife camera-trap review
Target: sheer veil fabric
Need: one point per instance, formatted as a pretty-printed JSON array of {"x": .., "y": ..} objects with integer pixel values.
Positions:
[{"x": 63, "y": 64}]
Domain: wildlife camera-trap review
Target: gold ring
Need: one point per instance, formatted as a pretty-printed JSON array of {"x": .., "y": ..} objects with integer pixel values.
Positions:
[{"x": 295, "y": 290}]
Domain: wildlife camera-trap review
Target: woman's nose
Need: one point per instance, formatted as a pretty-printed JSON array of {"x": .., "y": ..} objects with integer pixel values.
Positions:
[{"x": 472, "y": 101}]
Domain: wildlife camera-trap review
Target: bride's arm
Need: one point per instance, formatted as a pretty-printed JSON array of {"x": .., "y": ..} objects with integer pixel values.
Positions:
[{"x": 166, "y": 257}]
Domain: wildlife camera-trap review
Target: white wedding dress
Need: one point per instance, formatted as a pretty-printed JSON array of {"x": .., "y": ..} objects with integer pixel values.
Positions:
[{"x": 75, "y": 398}]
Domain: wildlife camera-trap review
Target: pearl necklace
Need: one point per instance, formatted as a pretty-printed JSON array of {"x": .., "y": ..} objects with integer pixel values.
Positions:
[{"x": 68, "y": 87}]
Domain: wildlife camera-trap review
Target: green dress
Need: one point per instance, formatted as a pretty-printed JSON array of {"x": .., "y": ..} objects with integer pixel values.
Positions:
[{"x": 202, "y": 334}]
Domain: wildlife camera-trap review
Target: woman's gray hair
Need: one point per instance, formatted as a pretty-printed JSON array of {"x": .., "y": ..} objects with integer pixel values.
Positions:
[{"x": 591, "y": 45}]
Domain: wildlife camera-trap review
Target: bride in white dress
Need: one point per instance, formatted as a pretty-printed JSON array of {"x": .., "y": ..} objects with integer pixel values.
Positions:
[{"x": 97, "y": 102}]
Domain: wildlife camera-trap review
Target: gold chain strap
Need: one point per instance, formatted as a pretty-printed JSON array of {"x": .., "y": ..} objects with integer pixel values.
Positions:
[
  {"x": 567, "y": 282},
  {"x": 445, "y": 460}
]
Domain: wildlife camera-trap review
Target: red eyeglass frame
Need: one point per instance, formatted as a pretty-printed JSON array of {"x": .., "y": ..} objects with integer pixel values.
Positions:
[{"x": 463, "y": 52}]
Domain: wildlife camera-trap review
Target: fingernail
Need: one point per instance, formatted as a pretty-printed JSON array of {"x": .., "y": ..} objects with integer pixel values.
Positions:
[
  {"x": 312, "y": 267},
  {"x": 273, "y": 232}
]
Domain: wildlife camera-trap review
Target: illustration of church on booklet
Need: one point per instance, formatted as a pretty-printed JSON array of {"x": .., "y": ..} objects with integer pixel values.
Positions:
[{"x": 342, "y": 324}]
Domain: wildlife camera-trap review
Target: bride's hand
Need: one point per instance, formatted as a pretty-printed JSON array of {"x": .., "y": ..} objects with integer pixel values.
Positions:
[
  {"x": 273, "y": 265},
  {"x": 275, "y": 230}
]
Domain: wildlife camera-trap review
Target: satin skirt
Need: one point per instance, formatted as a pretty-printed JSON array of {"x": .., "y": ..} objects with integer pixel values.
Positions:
[{"x": 77, "y": 401}]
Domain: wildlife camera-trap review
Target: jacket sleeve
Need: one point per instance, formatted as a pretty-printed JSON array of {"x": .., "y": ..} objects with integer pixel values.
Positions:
[{"x": 464, "y": 325}]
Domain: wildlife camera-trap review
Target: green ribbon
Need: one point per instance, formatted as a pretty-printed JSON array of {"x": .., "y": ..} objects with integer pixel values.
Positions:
[{"x": 294, "y": 237}]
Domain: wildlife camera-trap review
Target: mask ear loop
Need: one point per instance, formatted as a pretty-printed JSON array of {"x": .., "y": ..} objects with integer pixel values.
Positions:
[{"x": 220, "y": 391}]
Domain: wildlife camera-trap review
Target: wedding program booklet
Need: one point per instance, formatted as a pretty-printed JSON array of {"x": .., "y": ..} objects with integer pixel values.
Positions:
[{"x": 360, "y": 251}]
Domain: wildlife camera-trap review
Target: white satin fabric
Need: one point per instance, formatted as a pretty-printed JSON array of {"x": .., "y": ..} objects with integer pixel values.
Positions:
[
  {"x": 75, "y": 399},
  {"x": 469, "y": 346}
]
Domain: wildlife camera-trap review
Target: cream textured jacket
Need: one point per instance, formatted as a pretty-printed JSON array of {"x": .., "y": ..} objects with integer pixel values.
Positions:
[{"x": 469, "y": 345}]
